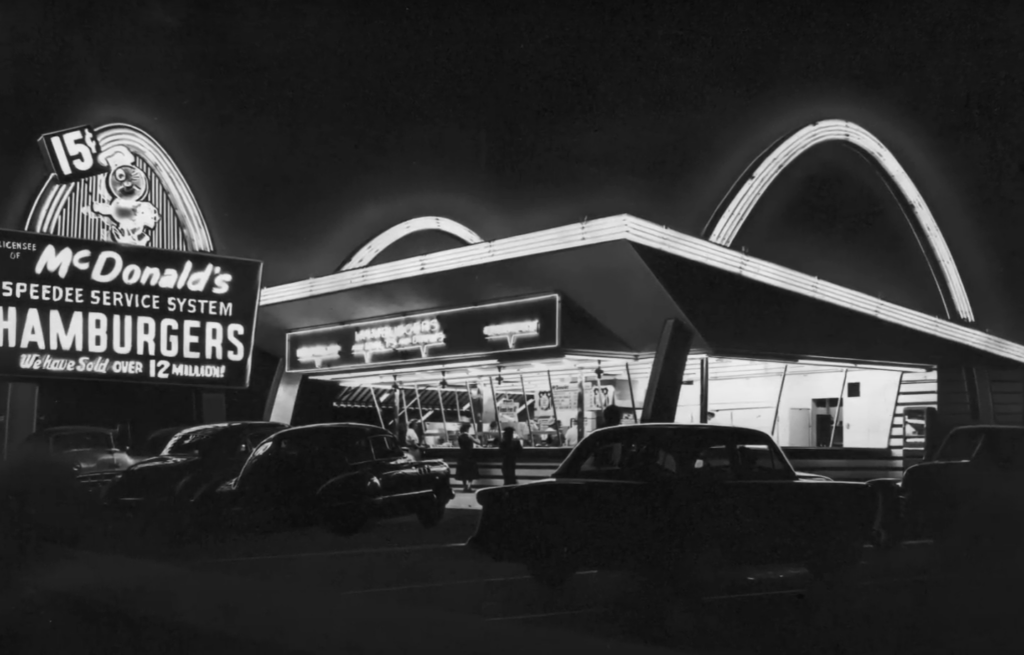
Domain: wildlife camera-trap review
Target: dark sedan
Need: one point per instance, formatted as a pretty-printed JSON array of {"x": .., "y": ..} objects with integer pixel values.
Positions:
[
  {"x": 193, "y": 460},
  {"x": 972, "y": 487},
  {"x": 338, "y": 475},
  {"x": 669, "y": 500}
]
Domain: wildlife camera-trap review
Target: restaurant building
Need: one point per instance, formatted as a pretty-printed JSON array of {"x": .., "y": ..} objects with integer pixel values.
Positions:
[
  {"x": 541, "y": 330},
  {"x": 115, "y": 309}
]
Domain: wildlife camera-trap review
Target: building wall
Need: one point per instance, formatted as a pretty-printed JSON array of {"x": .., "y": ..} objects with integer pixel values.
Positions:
[{"x": 744, "y": 393}]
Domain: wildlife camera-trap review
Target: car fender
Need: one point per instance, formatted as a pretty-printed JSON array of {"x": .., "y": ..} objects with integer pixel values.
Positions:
[{"x": 361, "y": 483}]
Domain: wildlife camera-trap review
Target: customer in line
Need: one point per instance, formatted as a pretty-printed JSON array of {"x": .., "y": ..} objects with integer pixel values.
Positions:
[
  {"x": 510, "y": 448},
  {"x": 466, "y": 468}
]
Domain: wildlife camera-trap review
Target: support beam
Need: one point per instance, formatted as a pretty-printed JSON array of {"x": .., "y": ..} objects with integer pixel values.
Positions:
[
  {"x": 281, "y": 399},
  {"x": 214, "y": 407},
  {"x": 20, "y": 415},
  {"x": 705, "y": 384},
  {"x": 662, "y": 398}
]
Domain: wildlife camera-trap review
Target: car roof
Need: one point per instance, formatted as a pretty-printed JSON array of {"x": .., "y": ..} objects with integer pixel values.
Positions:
[
  {"x": 300, "y": 430},
  {"x": 75, "y": 428},
  {"x": 694, "y": 427},
  {"x": 1007, "y": 428}
]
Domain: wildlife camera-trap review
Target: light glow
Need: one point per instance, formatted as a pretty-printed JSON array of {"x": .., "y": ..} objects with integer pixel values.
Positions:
[
  {"x": 422, "y": 335},
  {"x": 644, "y": 233},
  {"x": 738, "y": 210},
  {"x": 52, "y": 197},
  {"x": 382, "y": 241},
  {"x": 512, "y": 331},
  {"x": 318, "y": 354}
]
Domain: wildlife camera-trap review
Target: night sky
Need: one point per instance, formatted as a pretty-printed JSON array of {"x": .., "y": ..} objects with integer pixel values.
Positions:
[{"x": 305, "y": 128}]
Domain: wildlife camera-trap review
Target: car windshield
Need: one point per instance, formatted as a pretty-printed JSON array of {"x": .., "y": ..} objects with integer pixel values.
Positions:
[
  {"x": 84, "y": 440},
  {"x": 960, "y": 445},
  {"x": 676, "y": 451},
  {"x": 206, "y": 439},
  {"x": 1003, "y": 448}
]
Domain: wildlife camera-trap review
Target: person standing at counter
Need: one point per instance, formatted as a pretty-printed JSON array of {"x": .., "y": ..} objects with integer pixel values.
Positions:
[
  {"x": 612, "y": 415},
  {"x": 466, "y": 468},
  {"x": 510, "y": 448}
]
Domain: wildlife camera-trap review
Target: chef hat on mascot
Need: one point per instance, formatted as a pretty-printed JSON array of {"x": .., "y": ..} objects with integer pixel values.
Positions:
[{"x": 116, "y": 156}]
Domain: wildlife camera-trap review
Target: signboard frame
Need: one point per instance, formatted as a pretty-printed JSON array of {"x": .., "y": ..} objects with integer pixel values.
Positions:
[
  {"x": 295, "y": 340},
  {"x": 81, "y": 285}
]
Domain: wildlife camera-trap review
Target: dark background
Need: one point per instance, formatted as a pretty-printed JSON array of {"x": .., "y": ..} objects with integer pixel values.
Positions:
[{"x": 305, "y": 128}]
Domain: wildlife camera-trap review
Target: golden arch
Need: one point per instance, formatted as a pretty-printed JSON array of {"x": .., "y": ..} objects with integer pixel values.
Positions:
[
  {"x": 726, "y": 223},
  {"x": 378, "y": 244}
]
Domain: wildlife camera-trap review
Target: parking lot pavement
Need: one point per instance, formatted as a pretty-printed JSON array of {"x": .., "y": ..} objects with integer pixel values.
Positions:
[{"x": 306, "y": 614}]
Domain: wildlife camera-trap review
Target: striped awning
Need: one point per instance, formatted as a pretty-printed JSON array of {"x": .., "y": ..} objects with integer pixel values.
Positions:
[{"x": 454, "y": 400}]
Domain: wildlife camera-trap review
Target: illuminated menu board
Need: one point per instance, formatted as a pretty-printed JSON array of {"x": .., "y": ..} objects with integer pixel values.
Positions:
[
  {"x": 71, "y": 308},
  {"x": 505, "y": 326}
]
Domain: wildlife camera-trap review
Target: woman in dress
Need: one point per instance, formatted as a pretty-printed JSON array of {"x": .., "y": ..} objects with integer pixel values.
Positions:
[{"x": 466, "y": 468}]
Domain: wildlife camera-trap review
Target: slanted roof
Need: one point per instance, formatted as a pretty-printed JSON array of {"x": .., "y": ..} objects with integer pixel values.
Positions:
[{"x": 630, "y": 275}]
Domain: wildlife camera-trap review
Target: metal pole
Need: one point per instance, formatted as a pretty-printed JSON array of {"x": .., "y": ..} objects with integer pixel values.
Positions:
[
  {"x": 494, "y": 399},
  {"x": 554, "y": 409},
  {"x": 632, "y": 398},
  {"x": 472, "y": 410},
  {"x": 526, "y": 406},
  {"x": 705, "y": 382},
  {"x": 444, "y": 417},
  {"x": 778, "y": 401},
  {"x": 419, "y": 404},
  {"x": 380, "y": 414},
  {"x": 839, "y": 409},
  {"x": 581, "y": 411},
  {"x": 892, "y": 416}
]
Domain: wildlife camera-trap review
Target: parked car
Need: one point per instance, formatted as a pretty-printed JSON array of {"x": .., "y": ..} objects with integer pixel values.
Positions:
[
  {"x": 157, "y": 441},
  {"x": 670, "y": 500},
  {"x": 195, "y": 458},
  {"x": 972, "y": 486},
  {"x": 92, "y": 453},
  {"x": 339, "y": 475}
]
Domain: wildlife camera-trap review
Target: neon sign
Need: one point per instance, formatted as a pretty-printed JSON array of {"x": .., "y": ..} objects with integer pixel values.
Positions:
[
  {"x": 512, "y": 331},
  {"x": 116, "y": 183},
  {"x": 432, "y": 336},
  {"x": 71, "y": 310},
  {"x": 318, "y": 354},
  {"x": 423, "y": 335}
]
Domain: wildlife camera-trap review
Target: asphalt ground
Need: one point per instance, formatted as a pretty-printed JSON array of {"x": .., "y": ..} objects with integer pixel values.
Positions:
[{"x": 398, "y": 587}]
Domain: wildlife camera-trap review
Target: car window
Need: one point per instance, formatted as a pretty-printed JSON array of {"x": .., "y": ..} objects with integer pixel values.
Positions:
[
  {"x": 256, "y": 435},
  {"x": 68, "y": 441},
  {"x": 358, "y": 450},
  {"x": 960, "y": 446},
  {"x": 676, "y": 451},
  {"x": 385, "y": 447},
  {"x": 1003, "y": 448}
]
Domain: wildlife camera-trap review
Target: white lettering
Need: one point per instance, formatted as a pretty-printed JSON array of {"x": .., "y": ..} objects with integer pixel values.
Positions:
[
  {"x": 191, "y": 339},
  {"x": 70, "y": 337},
  {"x": 146, "y": 341},
  {"x": 116, "y": 263},
  {"x": 97, "y": 332},
  {"x": 169, "y": 337},
  {"x": 214, "y": 341},
  {"x": 123, "y": 336},
  {"x": 33, "y": 333},
  {"x": 237, "y": 353},
  {"x": 8, "y": 326}
]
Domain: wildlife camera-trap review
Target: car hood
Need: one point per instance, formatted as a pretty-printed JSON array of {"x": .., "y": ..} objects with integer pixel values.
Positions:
[{"x": 155, "y": 476}]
